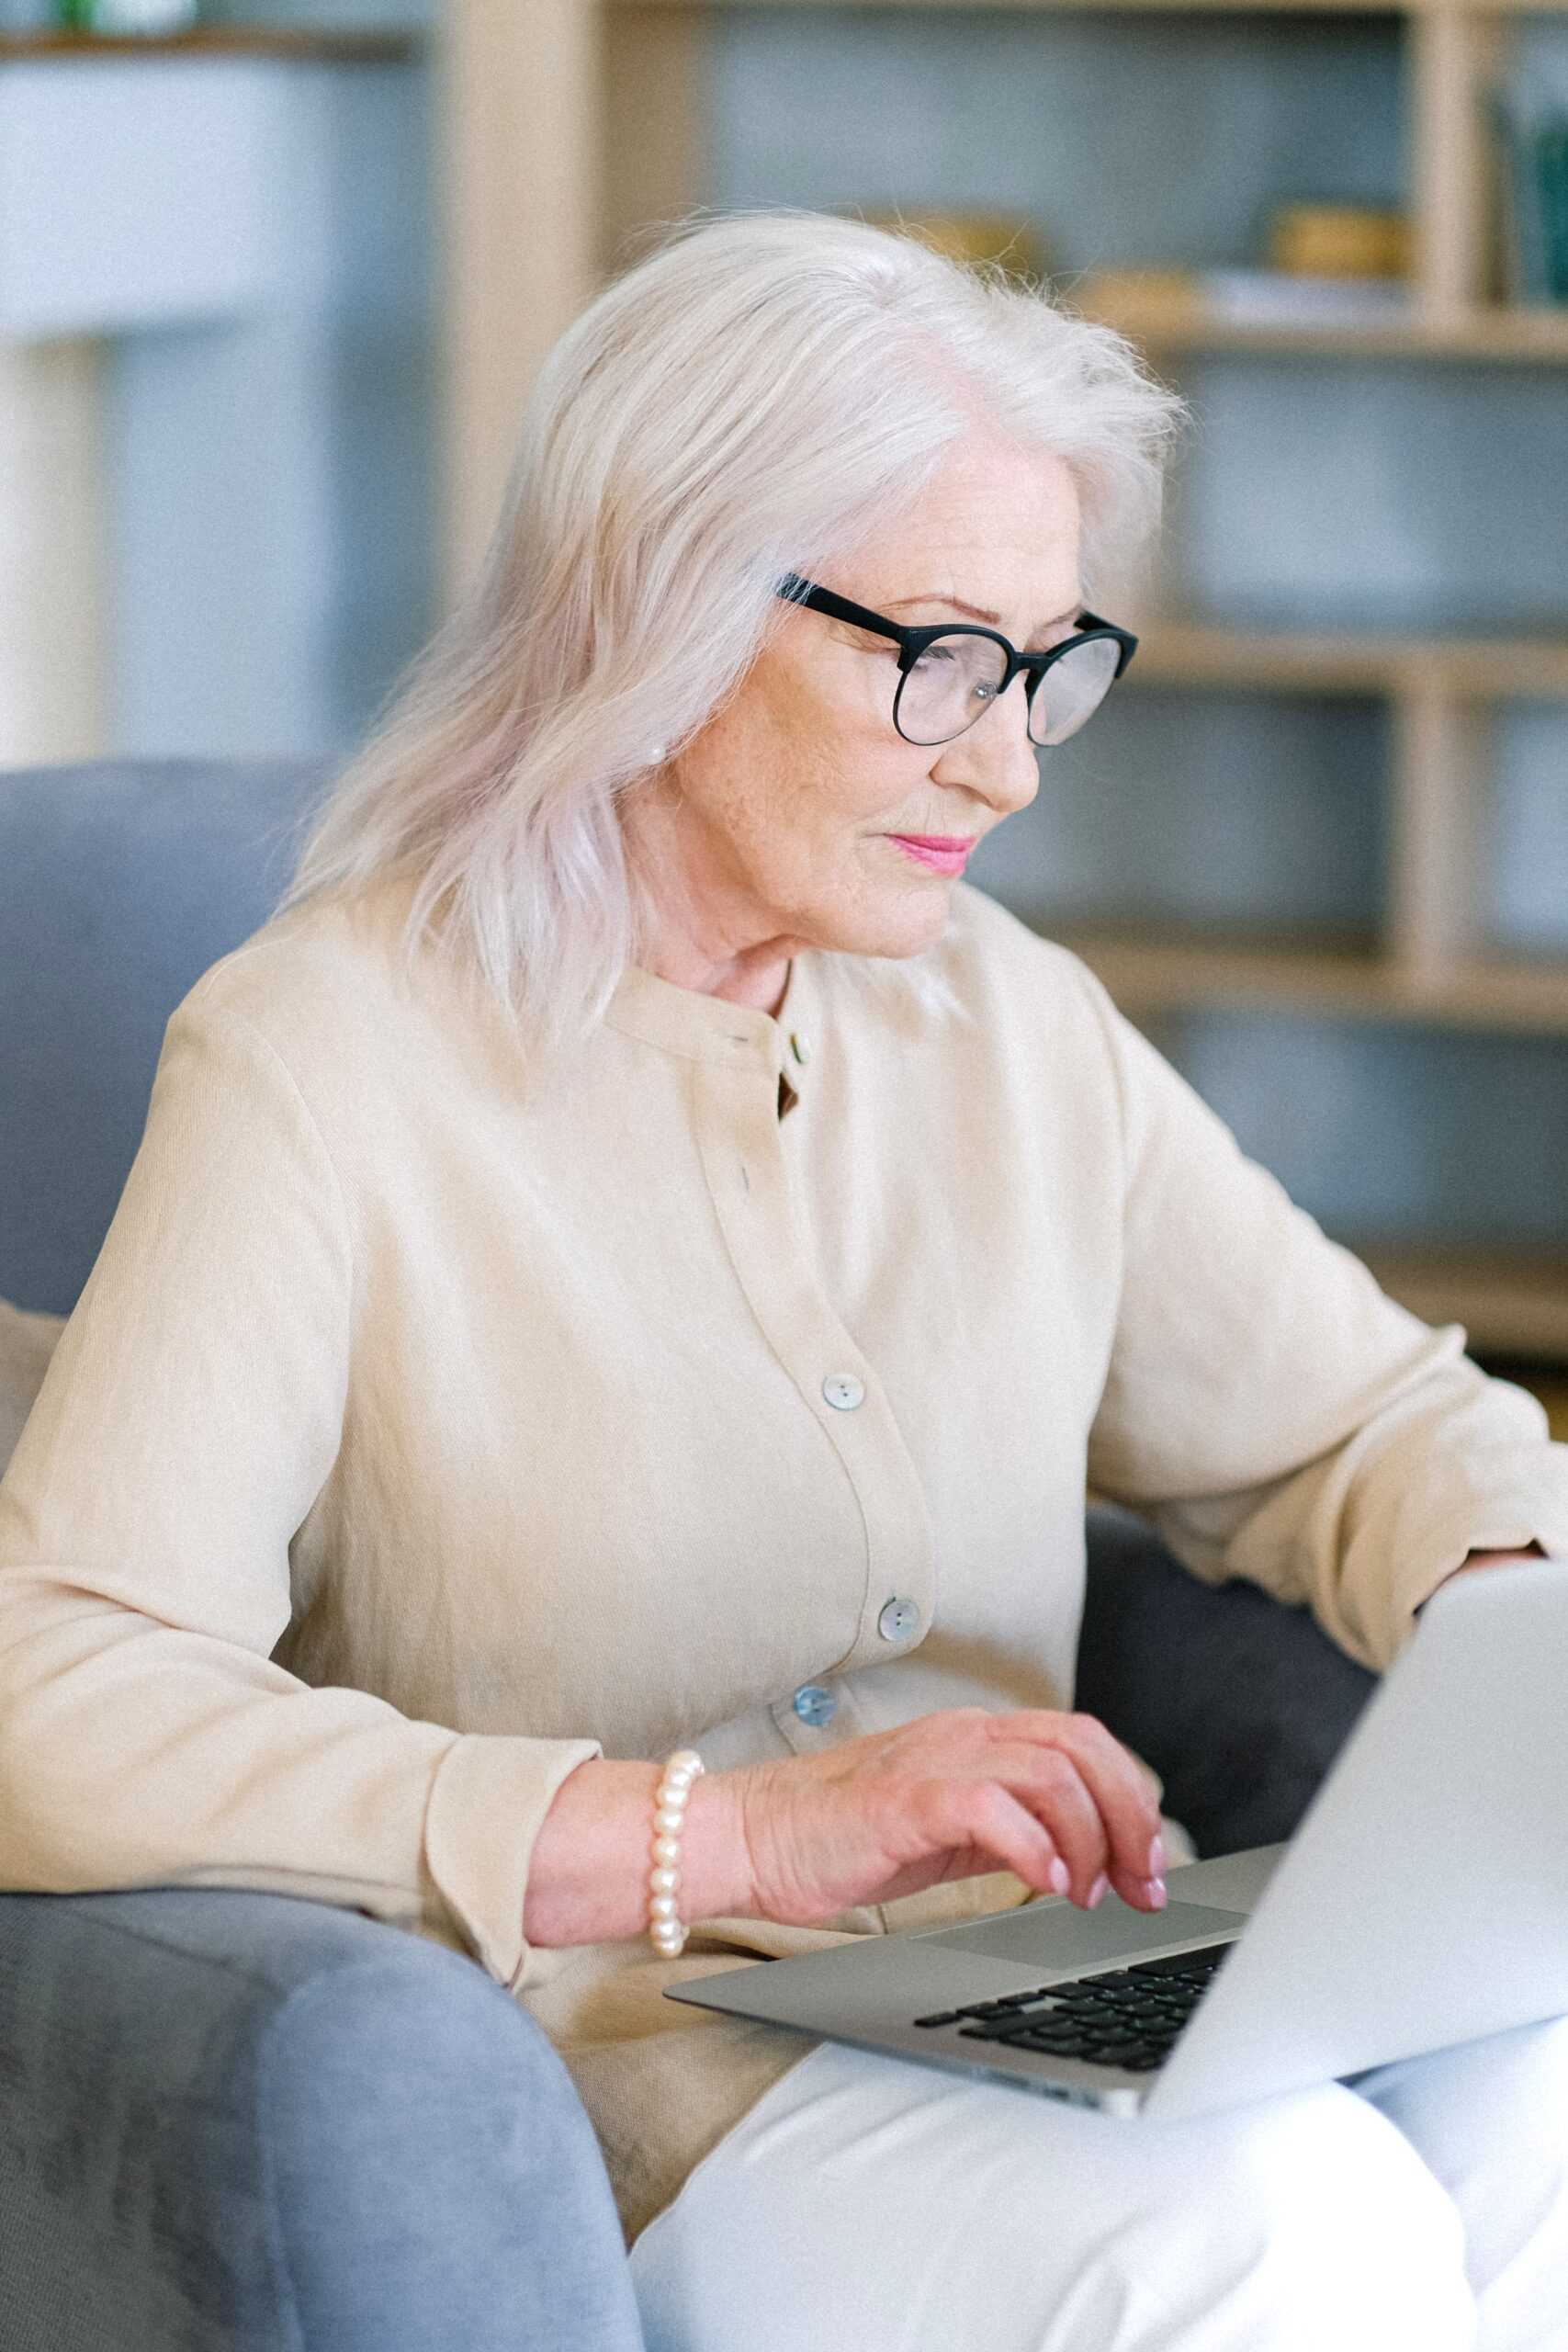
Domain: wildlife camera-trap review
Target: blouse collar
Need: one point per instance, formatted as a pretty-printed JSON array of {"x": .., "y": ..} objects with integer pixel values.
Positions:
[{"x": 708, "y": 1028}]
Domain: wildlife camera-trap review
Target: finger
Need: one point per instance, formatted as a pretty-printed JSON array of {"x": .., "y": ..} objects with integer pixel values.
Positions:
[
  {"x": 1037, "y": 1780},
  {"x": 1088, "y": 1881},
  {"x": 1118, "y": 1787},
  {"x": 1048, "y": 1781},
  {"x": 984, "y": 1818},
  {"x": 1143, "y": 1894}
]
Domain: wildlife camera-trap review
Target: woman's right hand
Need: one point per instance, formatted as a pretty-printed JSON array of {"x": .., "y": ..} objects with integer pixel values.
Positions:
[{"x": 948, "y": 1796}]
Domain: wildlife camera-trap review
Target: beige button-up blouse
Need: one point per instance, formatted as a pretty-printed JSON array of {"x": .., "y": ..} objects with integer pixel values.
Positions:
[{"x": 413, "y": 1442}]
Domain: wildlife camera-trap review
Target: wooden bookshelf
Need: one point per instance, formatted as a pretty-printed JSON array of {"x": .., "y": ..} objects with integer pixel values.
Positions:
[
  {"x": 525, "y": 153},
  {"x": 1542, "y": 1377},
  {"x": 342, "y": 48},
  {"x": 1434, "y": 964},
  {"x": 1152, "y": 975},
  {"x": 1522, "y": 335},
  {"x": 1180, "y": 7},
  {"x": 1301, "y": 660},
  {"x": 1514, "y": 1304}
]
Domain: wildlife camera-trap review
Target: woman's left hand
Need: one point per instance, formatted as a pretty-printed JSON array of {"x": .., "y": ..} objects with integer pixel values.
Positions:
[{"x": 1487, "y": 1560}]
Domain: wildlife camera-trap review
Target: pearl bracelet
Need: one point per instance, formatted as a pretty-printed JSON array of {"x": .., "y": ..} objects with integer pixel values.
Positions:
[{"x": 669, "y": 1936}]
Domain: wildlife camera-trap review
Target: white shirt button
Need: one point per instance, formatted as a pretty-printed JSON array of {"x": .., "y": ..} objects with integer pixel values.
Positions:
[
  {"x": 843, "y": 1391},
  {"x": 899, "y": 1619},
  {"x": 800, "y": 1046},
  {"x": 815, "y": 1705}
]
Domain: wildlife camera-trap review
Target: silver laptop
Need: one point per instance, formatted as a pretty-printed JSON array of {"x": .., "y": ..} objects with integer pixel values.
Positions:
[{"x": 1423, "y": 1901}]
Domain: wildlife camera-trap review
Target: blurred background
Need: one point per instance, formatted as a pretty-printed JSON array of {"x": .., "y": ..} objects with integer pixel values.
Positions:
[{"x": 273, "y": 280}]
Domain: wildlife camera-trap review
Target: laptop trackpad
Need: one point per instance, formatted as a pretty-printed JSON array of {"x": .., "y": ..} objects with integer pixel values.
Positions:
[{"x": 1054, "y": 1935}]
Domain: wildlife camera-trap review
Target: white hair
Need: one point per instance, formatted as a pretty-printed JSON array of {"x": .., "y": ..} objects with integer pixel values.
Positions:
[{"x": 754, "y": 398}]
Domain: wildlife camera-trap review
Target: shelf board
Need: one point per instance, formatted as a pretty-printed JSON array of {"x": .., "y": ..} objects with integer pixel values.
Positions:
[
  {"x": 1546, "y": 1377},
  {"x": 1552, "y": 1394},
  {"x": 347, "y": 48},
  {"x": 1532, "y": 664},
  {"x": 1182, "y": 7},
  {"x": 1146, "y": 975},
  {"x": 1514, "y": 1304},
  {"x": 1524, "y": 334}
]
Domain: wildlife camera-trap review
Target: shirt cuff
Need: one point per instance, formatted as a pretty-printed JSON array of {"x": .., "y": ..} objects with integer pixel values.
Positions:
[
  {"x": 490, "y": 1796},
  {"x": 1512, "y": 1526}
]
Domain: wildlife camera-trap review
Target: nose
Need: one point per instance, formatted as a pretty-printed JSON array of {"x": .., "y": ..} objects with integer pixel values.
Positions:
[{"x": 995, "y": 757}]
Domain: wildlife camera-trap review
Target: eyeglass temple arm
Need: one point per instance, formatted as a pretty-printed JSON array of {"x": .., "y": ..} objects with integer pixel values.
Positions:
[{"x": 796, "y": 590}]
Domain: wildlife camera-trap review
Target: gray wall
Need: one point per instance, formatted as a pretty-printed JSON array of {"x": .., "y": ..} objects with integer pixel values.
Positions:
[
  {"x": 303, "y": 442},
  {"x": 270, "y": 471}
]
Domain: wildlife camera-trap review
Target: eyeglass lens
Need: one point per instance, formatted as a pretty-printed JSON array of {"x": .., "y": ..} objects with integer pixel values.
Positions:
[{"x": 956, "y": 678}]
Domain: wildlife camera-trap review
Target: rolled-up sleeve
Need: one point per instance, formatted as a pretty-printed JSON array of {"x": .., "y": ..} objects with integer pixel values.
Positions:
[
  {"x": 189, "y": 1417},
  {"x": 1272, "y": 1411}
]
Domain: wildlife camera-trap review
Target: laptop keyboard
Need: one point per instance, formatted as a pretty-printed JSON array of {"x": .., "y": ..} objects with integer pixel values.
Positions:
[{"x": 1122, "y": 2016}]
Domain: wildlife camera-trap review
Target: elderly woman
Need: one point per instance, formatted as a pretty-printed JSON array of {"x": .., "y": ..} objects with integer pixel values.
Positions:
[{"x": 637, "y": 1256}]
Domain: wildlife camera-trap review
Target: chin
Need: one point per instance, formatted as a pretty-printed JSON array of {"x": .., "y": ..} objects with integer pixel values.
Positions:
[{"x": 907, "y": 928}]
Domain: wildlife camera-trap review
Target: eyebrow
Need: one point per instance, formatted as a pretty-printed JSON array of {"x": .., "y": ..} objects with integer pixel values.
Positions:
[{"x": 978, "y": 612}]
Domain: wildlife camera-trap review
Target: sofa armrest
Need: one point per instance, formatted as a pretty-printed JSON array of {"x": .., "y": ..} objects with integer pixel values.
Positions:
[
  {"x": 1240, "y": 1703},
  {"x": 233, "y": 2122}
]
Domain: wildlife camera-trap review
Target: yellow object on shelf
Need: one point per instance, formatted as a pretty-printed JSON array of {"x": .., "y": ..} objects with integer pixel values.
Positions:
[
  {"x": 1138, "y": 299},
  {"x": 1338, "y": 241},
  {"x": 971, "y": 237}
]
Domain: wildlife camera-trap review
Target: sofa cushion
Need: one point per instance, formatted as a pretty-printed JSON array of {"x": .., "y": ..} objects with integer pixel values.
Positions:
[
  {"x": 1239, "y": 1703},
  {"x": 122, "y": 882},
  {"x": 27, "y": 1344}
]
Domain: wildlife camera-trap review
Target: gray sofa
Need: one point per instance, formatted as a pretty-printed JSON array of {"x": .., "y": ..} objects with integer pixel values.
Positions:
[{"x": 235, "y": 2120}]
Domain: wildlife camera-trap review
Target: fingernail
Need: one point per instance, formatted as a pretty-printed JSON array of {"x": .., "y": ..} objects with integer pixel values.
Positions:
[
  {"x": 1097, "y": 1890},
  {"x": 1156, "y": 1892},
  {"x": 1156, "y": 1859},
  {"x": 1060, "y": 1876}
]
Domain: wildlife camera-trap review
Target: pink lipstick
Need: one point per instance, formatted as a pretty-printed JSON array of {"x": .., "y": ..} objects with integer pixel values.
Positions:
[{"x": 944, "y": 852}]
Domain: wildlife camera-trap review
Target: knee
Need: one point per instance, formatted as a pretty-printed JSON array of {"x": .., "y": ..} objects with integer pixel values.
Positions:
[
  {"x": 1314, "y": 2221},
  {"x": 1530, "y": 2062},
  {"x": 418, "y": 2048},
  {"x": 434, "y": 2174},
  {"x": 1490, "y": 2118}
]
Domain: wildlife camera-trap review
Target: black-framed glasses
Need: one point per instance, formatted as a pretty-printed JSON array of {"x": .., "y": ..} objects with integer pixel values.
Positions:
[{"x": 949, "y": 677}]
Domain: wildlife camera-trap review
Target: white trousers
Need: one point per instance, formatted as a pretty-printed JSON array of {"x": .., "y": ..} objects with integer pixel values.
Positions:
[{"x": 868, "y": 2205}]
